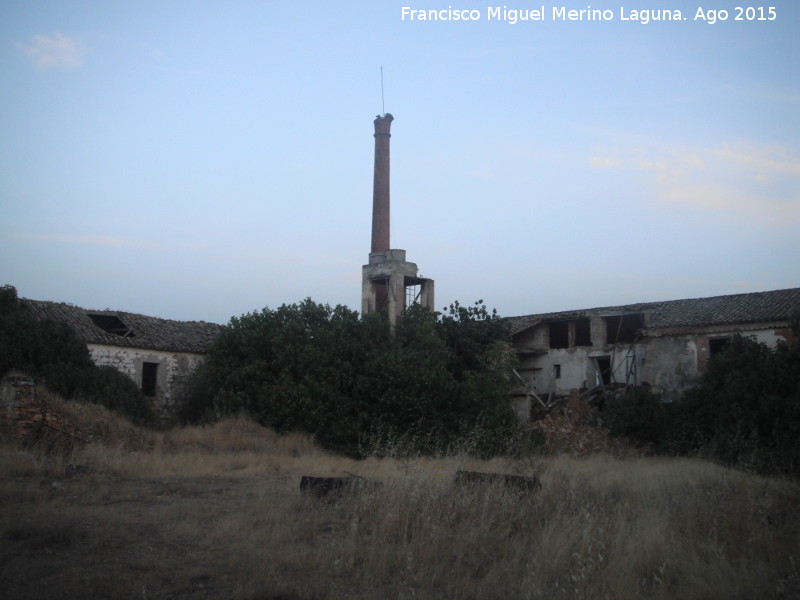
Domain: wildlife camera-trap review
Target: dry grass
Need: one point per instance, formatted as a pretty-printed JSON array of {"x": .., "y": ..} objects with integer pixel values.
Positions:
[{"x": 216, "y": 513}]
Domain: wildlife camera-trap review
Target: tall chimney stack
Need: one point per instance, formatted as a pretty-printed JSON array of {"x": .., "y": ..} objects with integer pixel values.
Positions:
[
  {"x": 389, "y": 282},
  {"x": 380, "y": 190}
]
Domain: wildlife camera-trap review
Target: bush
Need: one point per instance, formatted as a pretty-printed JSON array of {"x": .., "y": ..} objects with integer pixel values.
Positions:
[
  {"x": 116, "y": 391},
  {"x": 637, "y": 414},
  {"x": 352, "y": 382},
  {"x": 745, "y": 410}
]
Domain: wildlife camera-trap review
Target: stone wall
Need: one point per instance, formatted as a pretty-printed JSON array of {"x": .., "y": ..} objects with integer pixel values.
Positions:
[{"x": 172, "y": 373}]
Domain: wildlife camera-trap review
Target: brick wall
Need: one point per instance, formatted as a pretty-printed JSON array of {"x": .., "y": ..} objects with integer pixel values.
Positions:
[{"x": 26, "y": 415}]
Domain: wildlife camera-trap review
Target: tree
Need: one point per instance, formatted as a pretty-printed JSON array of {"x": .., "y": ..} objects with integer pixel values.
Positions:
[{"x": 347, "y": 380}]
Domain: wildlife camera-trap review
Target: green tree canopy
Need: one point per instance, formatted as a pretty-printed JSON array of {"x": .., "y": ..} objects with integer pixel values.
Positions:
[{"x": 349, "y": 381}]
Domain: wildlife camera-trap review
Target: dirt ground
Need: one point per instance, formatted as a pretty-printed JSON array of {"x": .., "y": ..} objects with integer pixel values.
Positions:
[
  {"x": 223, "y": 517},
  {"x": 104, "y": 536}
]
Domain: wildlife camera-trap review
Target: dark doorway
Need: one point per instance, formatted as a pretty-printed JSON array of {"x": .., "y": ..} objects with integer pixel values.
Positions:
[
  {"x": 149, "y": 378},
  {"x": 604, "y": 366}
]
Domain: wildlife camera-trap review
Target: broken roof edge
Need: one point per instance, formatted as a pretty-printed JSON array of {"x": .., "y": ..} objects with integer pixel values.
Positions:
[
  {"x": 524, "y": 322},
  {"x": 688, "y": 313}
]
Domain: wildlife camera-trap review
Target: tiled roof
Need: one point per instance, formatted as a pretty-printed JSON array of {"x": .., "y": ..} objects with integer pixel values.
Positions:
[
  {"x": 137, "y": 331},
  {"x": 757, "y": 307}
]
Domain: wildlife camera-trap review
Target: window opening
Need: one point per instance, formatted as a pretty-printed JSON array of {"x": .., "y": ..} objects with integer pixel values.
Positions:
[
  {"x": 621, "y": 329},
  {"x": 557, "y": 371},
  {"x": 381, "y": 288},
  {"x": 112, "y": 324},
  {"x": 412, "y": 295},
  {"x": 583, "y": 334},
  {"x": 559, "y": 334},
  {"x": 715, "y": 345},
  {"x": 149, "y": 377}
]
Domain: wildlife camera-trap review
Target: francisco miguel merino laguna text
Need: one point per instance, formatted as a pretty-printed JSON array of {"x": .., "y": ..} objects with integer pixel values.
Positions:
[
  {"x": 562, "y": 13},
  {"x": 556, "y": 13}
]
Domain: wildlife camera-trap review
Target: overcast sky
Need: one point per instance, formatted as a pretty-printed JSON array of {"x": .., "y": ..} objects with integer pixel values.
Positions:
[{"x": 200, "y": 160}]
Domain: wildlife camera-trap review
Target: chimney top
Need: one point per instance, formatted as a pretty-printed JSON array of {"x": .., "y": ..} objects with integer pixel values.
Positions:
[{"x": 383, "y": 124}]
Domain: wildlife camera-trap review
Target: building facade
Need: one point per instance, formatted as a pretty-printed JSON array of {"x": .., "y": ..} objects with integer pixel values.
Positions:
[
  {"x": 159, "y": 355},
  {"x": 663, "y": 345}
]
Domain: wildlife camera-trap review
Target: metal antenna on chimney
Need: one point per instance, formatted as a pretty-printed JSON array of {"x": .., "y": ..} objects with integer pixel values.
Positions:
[{"x": 383, "y": 104}]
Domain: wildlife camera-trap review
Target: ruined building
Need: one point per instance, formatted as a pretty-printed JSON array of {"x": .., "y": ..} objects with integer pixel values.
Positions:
[
  {"x": 159, "y": 355},
  {"x": 662, "y": 345},
  {"x": 389, "y": 282}
]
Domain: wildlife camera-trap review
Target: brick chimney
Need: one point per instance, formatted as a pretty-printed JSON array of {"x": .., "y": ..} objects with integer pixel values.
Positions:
[
  {"x": 380, "y": 190},
  {"x": 389, "y": 282}
]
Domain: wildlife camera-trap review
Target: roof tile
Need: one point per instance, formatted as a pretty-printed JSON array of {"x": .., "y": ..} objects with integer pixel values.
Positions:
[{"x": 146, "y": 332}]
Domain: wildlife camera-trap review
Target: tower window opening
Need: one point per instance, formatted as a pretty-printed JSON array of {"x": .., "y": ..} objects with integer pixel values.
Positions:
[{"x": 412, "y": 294}]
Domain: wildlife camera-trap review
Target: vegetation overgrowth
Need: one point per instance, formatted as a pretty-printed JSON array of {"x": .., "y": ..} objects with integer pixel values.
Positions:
[
  {"x": 436, "y": 384},
  {"x": 216, "y": 511},
  {"x": 426, "y": 385},
  {"x": 53, "y": 354},
  {"x": 745, "y": 410}
]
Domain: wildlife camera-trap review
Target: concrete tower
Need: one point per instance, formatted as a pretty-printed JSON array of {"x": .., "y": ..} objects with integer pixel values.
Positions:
[{"x": 389, "y": 283}]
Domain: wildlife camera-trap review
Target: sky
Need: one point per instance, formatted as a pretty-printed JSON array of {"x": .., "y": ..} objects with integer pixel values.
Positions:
[{"x": 202, "y": 160}]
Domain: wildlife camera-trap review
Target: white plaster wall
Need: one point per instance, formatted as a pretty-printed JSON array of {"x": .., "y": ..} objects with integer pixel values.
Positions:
[
  {"x": 172, "y": 376},
  {"x": 670, "y": 363},
  {"x": 770, "y": 337},
  {"x": 676, "y": 362},
  {"x": 576, "y": 368}
]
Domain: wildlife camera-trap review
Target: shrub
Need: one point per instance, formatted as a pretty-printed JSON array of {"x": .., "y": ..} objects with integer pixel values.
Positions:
[
  {"x": 637, "y": 413},
  {"x": 116, "y": 391},
  {"x": 325, "y": 371},
  {"x": 745, "y": 410}
]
